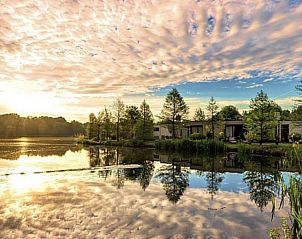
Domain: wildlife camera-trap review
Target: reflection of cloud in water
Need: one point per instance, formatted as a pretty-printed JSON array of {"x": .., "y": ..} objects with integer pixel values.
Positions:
[{"x": 99, "y": 210}]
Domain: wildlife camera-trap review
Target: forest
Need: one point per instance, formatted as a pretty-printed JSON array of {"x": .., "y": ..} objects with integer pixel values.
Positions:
[{"x": 13, "y": 125}]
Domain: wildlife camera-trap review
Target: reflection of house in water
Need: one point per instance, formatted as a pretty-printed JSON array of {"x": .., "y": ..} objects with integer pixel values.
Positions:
[{"x": 231, "y": 163}]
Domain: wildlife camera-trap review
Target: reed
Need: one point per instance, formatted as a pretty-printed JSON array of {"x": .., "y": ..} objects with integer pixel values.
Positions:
[{"x": 191, "y": 146}]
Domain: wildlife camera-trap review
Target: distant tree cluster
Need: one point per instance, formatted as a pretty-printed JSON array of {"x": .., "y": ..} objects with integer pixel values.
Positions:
[
  {"x": 121, "y": 122},
  {"x": 12, "y": 125}
]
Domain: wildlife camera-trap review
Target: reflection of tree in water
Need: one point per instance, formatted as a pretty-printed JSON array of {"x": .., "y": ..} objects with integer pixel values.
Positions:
[
  {"x": 94, "y": 157},
  {"x": 262, "y": 186},
  {"x": 118, "y": 178},
  {"x": 213, "y": 178},
  {"x": 121, "y": 156},
  {"x": 146, "y": 174},
  {"x": 175, "y": 180}
]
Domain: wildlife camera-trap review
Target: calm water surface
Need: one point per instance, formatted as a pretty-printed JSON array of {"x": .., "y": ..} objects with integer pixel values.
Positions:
[{"x": 223, "y": 192}]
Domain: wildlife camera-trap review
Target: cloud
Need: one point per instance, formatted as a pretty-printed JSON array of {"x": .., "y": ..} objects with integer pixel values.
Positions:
[
  {"x": 75, "y": 50},
  {"x": 268, "y": 80},
  {"x": 99, "y": 47},
  {"x": 254, "y": 85}
]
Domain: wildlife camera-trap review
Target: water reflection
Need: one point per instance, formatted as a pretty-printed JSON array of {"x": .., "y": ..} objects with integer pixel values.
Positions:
[
  {"x": 262, "y": 185},
  {"x": 175, "y": 179},
  {"x": 214, "y": 179},
  {"x": 257, "y": 175}
]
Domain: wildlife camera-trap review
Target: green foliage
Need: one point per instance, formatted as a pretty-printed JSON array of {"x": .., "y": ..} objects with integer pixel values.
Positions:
[
  {"x": 212, "y": 109},
  {"x": 230, "y": 112},
  {"x": 133, "y": 143},
  {"x": 144, "y": 126},
  {"x": 92, "y": 127},
  {"x": 295, "y": 137},
  {"x": 106, "y": 124},
  {"x": 199, "y": 115},
  {"x": 292, "y": 191},
  {"x": 12, "y": 125},
  {"x": 197, "y": 136},
  {"x": 132, "y": 116},
  {"x": 296, "y": 113},
  {"x": 174, "y": 109},
  {"x": 118, "y": 112},
  {"x": 190, "y": 146},
  {"x": 260, "y": 121}
]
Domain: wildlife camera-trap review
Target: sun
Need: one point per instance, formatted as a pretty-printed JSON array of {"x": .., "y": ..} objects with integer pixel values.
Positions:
[{"x": 29, "y": 103}]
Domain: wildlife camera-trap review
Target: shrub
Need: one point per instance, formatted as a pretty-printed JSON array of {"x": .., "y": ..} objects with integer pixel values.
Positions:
[
  {"x": 197, "y": 136},
  {"x": 295, "y": 137},
  {"x": 191, "y": 146}
]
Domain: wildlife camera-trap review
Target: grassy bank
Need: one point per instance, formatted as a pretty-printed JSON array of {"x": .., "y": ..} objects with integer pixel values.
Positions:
[{"x": 204, "y": 146}]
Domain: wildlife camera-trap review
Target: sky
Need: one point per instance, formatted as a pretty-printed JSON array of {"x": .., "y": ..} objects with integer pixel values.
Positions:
[{"x": 71, "y": 57}]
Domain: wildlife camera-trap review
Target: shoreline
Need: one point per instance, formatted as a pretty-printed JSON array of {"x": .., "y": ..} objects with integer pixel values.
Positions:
[{"x": 267, "y": 149}]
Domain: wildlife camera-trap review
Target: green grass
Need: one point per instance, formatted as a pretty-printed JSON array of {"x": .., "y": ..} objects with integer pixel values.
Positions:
[{"x": 191, "y": 146}]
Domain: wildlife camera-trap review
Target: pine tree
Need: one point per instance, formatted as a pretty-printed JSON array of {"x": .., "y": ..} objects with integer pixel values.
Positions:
[
  {"x": 212, "y": 109},
  {"x": 174, "y": 109}
]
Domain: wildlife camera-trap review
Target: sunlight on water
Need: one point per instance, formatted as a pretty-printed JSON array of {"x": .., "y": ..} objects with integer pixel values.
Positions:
[{"x": 23, "y": 183}]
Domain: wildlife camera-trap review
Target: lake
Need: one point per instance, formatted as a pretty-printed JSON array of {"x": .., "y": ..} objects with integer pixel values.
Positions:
[{"x": 53, "y": 188}]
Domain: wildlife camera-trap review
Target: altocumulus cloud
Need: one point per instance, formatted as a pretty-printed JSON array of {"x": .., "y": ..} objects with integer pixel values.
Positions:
[{"x": 91, "y": 48}]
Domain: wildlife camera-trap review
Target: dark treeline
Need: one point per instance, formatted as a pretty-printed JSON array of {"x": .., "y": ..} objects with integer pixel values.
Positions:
[{"x": 13, "y": 125}]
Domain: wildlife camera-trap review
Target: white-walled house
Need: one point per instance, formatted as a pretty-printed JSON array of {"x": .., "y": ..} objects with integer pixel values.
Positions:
[{"x": 161, "y": 132}]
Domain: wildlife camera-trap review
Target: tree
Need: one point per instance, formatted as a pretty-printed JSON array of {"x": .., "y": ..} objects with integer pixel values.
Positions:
[
  {"x": 107, "y": 124},
  {"x": 299, "y": 90},
  {"x": 296, "y": 113},
  {"x": 92, "y": 126},
  {"x": 230, "y": 112},
  {"x": 119, "y": 109},
  {"x": 132, "y": 115},
  {"x": 212, "y": 109},
  {"x": 174, "y": 109},
  {"x": 145, "y": 123},
  {"x": 199, "y": 115},
  {"x": 260, "y": 121}
]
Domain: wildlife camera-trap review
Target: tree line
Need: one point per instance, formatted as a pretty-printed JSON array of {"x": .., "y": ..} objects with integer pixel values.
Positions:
[
  {"x": 13, "y": 125},
  {"x": 121, "y": 122},
  {"x": 130, "y": 122}
]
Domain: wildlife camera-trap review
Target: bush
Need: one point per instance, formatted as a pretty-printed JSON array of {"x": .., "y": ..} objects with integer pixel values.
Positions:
[
  {"x": 133, "y": 143},
  {"x": 295, "y": 137},
  {"x": 197, "y": 136}
]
